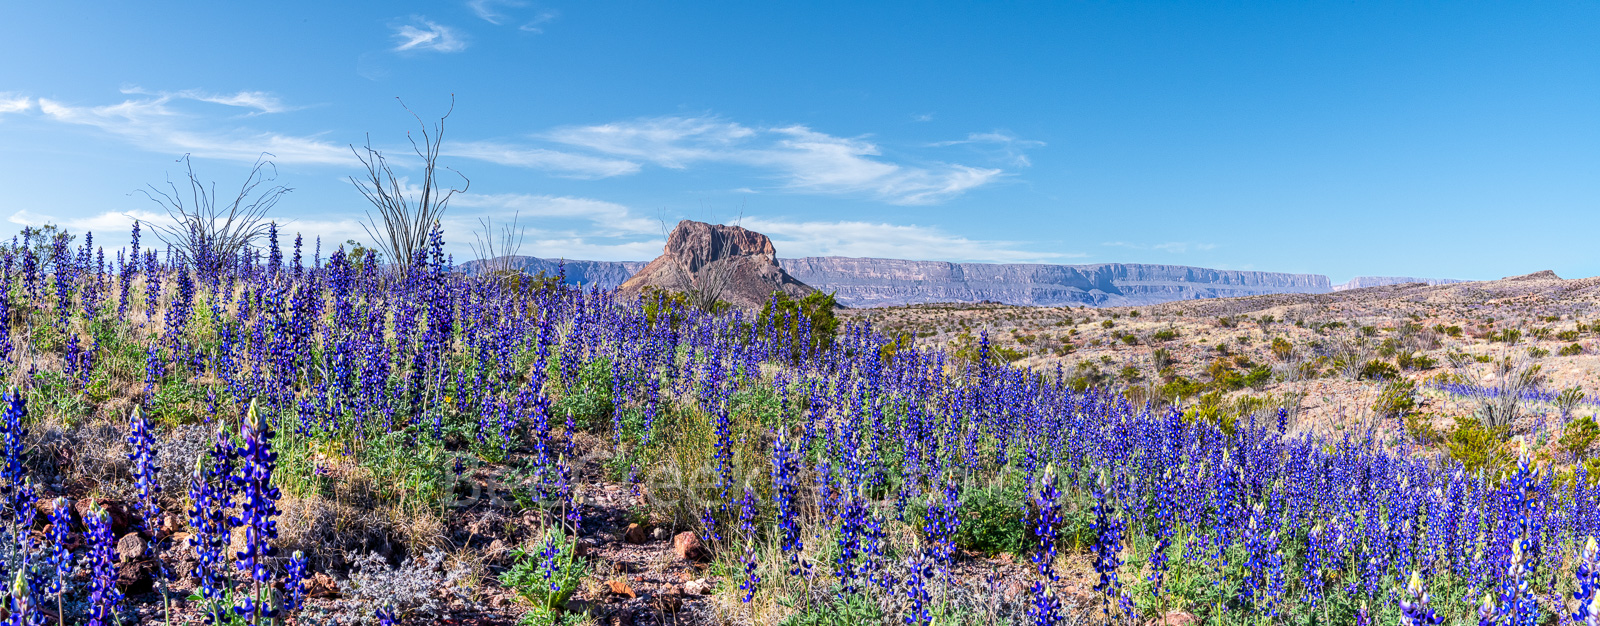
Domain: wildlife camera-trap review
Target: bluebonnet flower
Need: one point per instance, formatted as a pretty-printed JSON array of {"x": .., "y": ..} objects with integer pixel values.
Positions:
[
  {"x": 298, "y": 569},
  {"x": 747, "y": 518},
  {"x": 257, "y": 511},
  {"x": 145, "y": 470},
  {"x": 104, "y": 599},
  {"x": 1586, "y": 598},
  {"x": 1414, "y": 609}
]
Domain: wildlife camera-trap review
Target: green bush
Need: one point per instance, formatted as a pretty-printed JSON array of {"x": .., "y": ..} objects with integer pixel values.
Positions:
[
  {"x": 1478, "y": 447},
  {"x": 991, "y": 521},
  {"x": 1397, "y": 400},
  {"x": 1578, "y": 436},
  {"x": 1378, "y": 370},
  {"x": 1571, "y": 350},
  {"x": 785, "y": 312},
  {"x": 1165, "y": 334}
]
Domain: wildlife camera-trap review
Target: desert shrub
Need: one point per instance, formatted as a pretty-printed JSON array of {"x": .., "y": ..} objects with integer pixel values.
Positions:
[
  {"x": 1165, "y": 334},
  {"x": 1540, "y": 333},
  {"x": 1450, "y": 331},
  {"x": 1107, "y": 324},
  {"x": 1537, "y": 352},
  {"x": 1161, "y": 358},
  {"x": 1257, "y": 377},
  {"x": 1397, "y": 400},
  {"x": 1568, "y": 400},
  {"x": 1213, "y": 410},
  {"x": 1507, "y": 336},
  {"x": 1281, "y": 348},
  {"x": 1578, "y": 436},
  {"x": 785, "y": 313},
  {"x": 1377, "y": 370},
  {"x": 990, "y": 522},
  {"x": 1130, "y": 340},
  {"x": 1567, "y": 335},
  {"x": 425, "y": 588},
  {"x": 1420, "y": 427},
  {"x": 1478, "y": 447},
  {"x": 1415, "y": 361},
  {"x": 1571, "y": 350}
]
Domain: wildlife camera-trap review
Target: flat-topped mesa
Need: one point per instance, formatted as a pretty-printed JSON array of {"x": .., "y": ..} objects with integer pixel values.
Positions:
[{"x": 738, "y": 266}]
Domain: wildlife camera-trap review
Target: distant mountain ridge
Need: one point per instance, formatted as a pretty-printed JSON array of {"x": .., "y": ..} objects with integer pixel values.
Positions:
[
  {"x": 1362, "y": 282},
  {"x": 868, "y": 282},
  {"x": 886, "y": 282}
]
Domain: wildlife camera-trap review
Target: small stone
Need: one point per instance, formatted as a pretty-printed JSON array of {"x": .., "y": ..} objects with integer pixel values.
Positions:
[
  {"x": 322, "y": 586},
  {"x": 130, "y": 547},
  {"x": 660, "y": 534},
  {"x": 635, "y": 534},
  {"x": 1177, "y": 618},
  {"x": 136, "y": 577},
  {"x": 621, "y": 588},
  {"x": 697, "y": 587},
  {"x": 687, "y": 546}
]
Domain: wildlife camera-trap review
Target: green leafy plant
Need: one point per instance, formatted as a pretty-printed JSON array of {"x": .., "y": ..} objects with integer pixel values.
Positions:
[
  {"x": 546, "y": 583},
  {"x": 1578, "y": 436},
  {"x": 1478, "y": 447}
]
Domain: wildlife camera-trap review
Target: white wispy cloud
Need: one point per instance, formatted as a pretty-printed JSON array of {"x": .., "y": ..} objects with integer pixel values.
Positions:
[
  {"x": 424, "y": 34},
  {"x": 536, "y": 24},
  {"x": 13, "y": 103},
  {"x": 804, "y": 159},
  {"x": 562, "y": 163},
  {"x": 1171, "y": 247},
  {"x": 152, "y": 124},
  {"x": 260, "y": 101},
  {"x": 894, "y": 241},
  {"x": 499, "y": 12},
  {"x": 1000, "y": 144},
  {"x": 922, "y": 117}
]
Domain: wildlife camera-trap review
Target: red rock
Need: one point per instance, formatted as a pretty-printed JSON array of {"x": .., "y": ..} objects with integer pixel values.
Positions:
[
  {"x": 742, "y": 264},
  {"x": 1176, "y": 618},
  {"x": 121, "y": 518},
  {"x": 621, "y": 588},
  {"x": 687, "y": 546},
  {"x": 636, "y": 534}
]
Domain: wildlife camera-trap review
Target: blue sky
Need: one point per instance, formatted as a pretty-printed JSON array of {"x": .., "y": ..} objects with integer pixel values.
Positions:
[{"x": 1425, "y": 139}]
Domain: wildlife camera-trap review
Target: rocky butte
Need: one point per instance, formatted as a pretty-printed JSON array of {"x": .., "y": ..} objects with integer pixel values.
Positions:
[{"x": 733, "y": 264}]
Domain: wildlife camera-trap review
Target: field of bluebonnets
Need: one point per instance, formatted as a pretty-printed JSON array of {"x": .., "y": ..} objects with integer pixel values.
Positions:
[{"x": 833, "y": 475}]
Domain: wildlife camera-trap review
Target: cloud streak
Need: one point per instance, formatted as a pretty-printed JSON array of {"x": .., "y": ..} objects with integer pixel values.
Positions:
[
  {"x": 427, "y": 35},
  {"x": 561, "y": 163},
  {"x": 802, "y": 159},
  {"x": 152, "y": 124}
]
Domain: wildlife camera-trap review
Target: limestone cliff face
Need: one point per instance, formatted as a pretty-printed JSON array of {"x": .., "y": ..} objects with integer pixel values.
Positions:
[
  {"x": 740, "y": 266},
  {"x": 1362, "y": 282},
  {"x": 884, "y": 282},
  {"x": 865, "y": 282}
]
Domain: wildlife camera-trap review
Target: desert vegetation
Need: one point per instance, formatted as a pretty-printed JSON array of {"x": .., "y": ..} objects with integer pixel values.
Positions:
[{"x": 288, "y": 434}]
